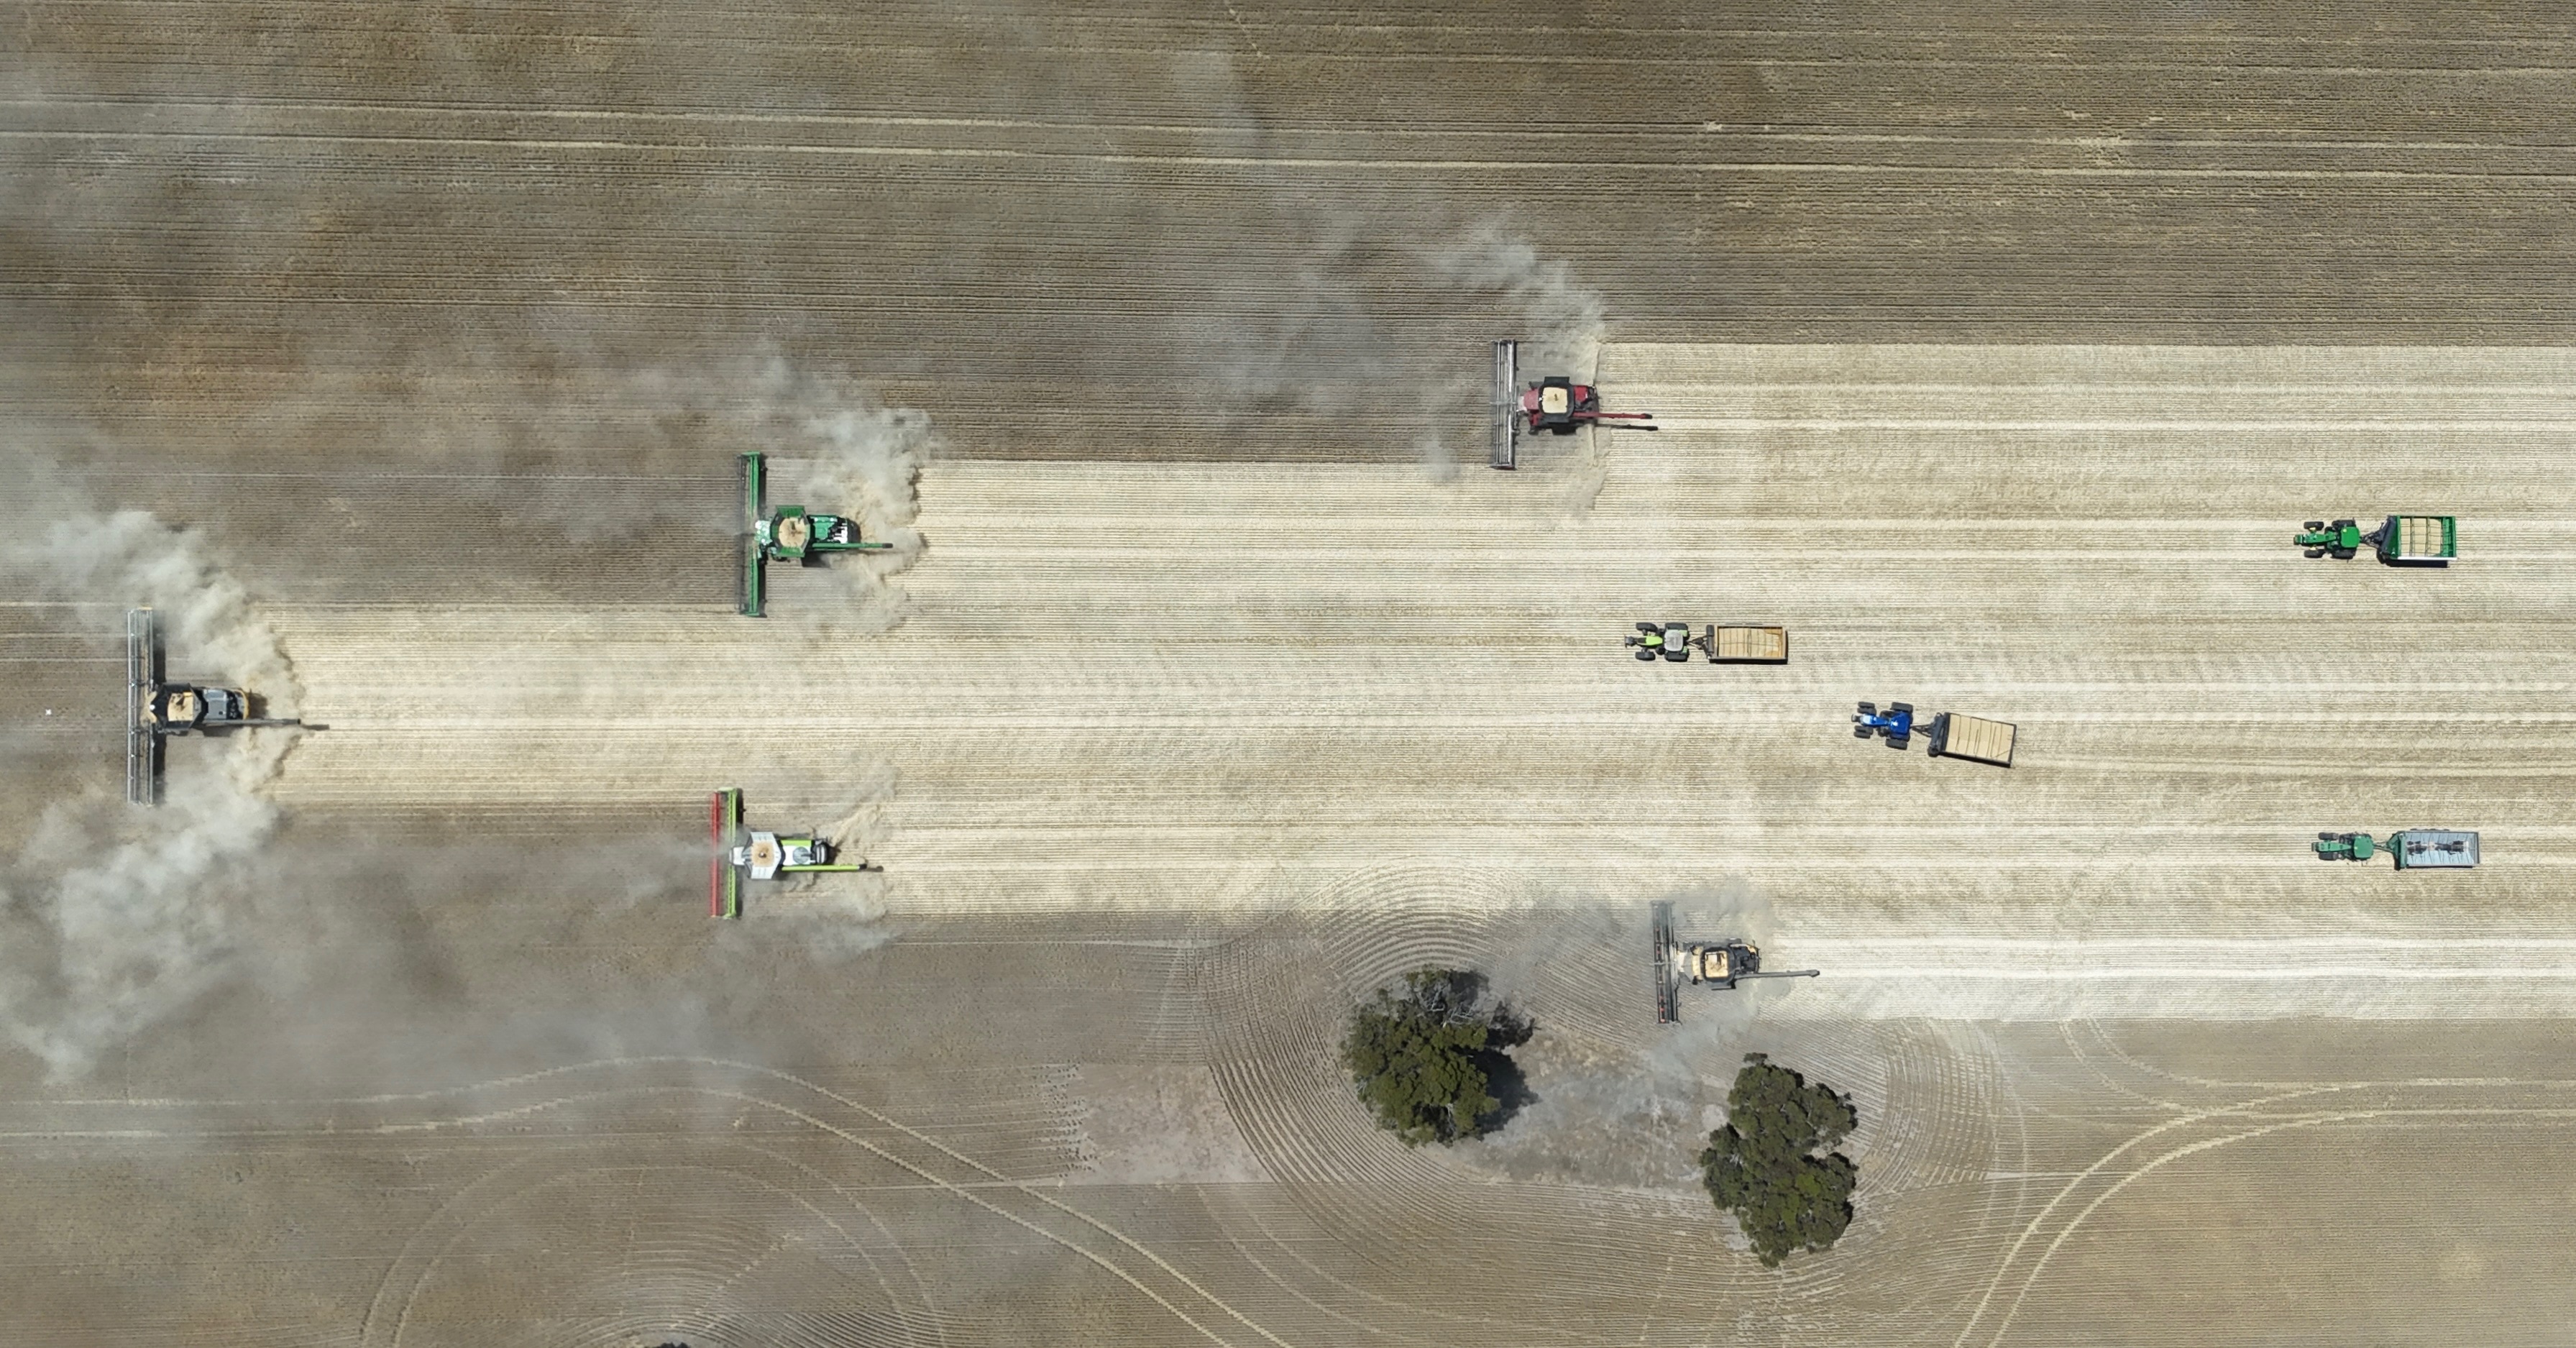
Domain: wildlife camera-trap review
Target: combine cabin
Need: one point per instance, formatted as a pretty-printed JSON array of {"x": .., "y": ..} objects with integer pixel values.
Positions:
[
  {"x": 1749, "y": 646},
  {"x": 1974, "y": 738}
]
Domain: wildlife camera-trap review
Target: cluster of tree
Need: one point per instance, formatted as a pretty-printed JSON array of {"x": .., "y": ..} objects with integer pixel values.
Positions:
[
  {"x": 1431, "y": 1059},
  {"x": 1759, "y": 1165}
]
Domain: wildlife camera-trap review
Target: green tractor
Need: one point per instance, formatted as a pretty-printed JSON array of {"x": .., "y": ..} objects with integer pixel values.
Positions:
[
  {"x": 2413, "y": 849},
  {"x": 788, "y": 534},
  {"x": 2400, "y": 540}
]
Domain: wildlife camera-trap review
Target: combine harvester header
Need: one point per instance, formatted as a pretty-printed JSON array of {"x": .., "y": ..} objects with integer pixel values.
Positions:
[
  {"x": 156, "y": 709},
  {"x": 789, "y": 534},
  {"x": 1555, "y": 404},
  {"x": 756, "y": 854}
]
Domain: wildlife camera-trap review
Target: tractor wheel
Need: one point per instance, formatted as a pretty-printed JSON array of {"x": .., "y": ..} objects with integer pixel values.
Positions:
[
  {"x": 1646, "y": 653},
  {"x": 1860, "y": 732},
  {"x": 1901, "y": 708},
  {"x": 2314, "y": 524},
  {"x": 1898, "y": 744},
  {"x": 2316, "y": 552},
  {"x": 1869, "y": 709},
  {"x": 2325, "y": 837}
]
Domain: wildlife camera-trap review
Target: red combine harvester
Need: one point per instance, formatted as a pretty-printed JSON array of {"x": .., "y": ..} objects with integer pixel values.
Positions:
[{"x": 1556, "y": 404}]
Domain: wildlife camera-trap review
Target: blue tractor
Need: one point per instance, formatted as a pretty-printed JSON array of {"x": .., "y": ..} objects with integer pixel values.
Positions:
[{"x": 1896, "y": 723}]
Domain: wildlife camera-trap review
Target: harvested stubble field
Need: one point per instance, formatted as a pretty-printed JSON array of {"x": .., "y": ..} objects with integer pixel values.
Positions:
[{"x": 1997, "y": 360}]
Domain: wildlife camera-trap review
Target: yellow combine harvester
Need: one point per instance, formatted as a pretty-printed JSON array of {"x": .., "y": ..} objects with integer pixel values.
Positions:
[{"x": 1704, "y": 964}]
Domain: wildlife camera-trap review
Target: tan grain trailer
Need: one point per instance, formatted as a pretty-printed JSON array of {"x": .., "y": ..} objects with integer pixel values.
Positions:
[
  {"x": 1749, "y": 646},
  {"x": 1972, "y": 737}
]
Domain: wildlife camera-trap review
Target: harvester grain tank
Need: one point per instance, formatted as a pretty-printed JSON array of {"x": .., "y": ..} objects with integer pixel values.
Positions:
[
  {"x": 1722, "y": 643},
  {"x": 1556, "y": 405},
  {"x": 1947, "y": 734},
  {"x": 156, "y": 708},
  {"x": 1710, "y": 964},
  {"x": 2413, "y": 849},
  {"x": 742, "y": 853},
  {"x": 789, "y": 534},
  {"x": 2400, "y": 540}
]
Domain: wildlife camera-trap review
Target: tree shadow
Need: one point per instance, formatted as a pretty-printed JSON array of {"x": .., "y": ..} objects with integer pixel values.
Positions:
[{"x": 1507, "y": 1028}]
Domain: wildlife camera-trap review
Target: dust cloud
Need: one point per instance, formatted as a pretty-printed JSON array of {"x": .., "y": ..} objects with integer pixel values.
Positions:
[
  {"x": 114, "y": 918},
  {"x": 1559, "y": 322}
]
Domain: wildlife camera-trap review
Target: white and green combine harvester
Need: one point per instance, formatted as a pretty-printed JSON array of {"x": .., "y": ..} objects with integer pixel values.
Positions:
[
  {"x": 789, "y": 534},
  {"x": 758, "y": 854},
  {"x": 156, "y": 709}
]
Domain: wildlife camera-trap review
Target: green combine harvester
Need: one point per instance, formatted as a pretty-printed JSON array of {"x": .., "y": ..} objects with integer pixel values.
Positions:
[
  {"x": 2400, "y": 540},
  {"x": 756, "y": 854},
  {"x": 787, "y": 534}
]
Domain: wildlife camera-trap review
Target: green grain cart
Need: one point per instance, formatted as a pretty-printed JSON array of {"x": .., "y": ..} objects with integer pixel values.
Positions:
[{"x": 2400, "y": 540}]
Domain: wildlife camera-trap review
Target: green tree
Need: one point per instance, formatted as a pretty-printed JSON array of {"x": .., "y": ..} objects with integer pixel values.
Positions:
[
  {"x": 1427, "y": 1056},
  {"x": 1758, "y": 1166}
]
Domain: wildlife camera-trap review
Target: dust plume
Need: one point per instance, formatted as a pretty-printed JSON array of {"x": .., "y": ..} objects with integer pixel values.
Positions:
[
  {"x": 129, "y": 558},
  {"x": 113, "y": 918},
  {"x": 1560, "y": 322}
]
